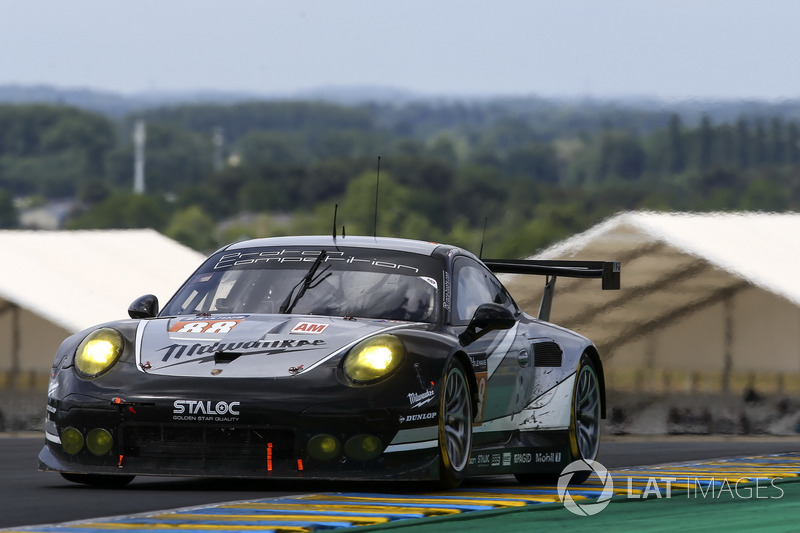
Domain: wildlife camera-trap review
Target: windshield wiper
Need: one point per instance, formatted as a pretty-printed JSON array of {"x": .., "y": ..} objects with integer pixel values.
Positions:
[{"x": 308, "y": 282}]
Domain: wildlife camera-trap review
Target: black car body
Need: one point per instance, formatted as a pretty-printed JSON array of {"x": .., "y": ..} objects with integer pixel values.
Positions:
[{"x": 330, "y": 358}]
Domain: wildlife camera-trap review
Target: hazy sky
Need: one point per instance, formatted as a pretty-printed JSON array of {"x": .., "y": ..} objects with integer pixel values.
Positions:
[{"x": 670, "y": 49}]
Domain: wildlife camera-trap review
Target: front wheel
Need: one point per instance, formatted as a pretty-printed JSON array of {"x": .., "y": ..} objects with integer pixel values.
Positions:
[{"x": 455, "y": 426}]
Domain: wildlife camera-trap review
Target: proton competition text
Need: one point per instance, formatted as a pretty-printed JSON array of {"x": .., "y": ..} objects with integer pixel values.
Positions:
[
  {"x": 205, "y": 410},
  {"x": 294, "y": 256}
]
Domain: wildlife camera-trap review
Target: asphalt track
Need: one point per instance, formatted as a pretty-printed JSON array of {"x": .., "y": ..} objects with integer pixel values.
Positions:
[{"x": 29, "y": 497}]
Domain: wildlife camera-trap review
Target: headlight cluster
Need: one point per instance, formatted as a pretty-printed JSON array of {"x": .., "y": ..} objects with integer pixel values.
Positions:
[
  {"x": 325, "y": 447},
  {"x": 374, "y": 359},
  {"x": 98, "y": 441},
  {"x": 98, "y": 352}
]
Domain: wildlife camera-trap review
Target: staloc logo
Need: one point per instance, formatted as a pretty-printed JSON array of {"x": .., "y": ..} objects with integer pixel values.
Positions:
[{"x": 200, "y": 407}]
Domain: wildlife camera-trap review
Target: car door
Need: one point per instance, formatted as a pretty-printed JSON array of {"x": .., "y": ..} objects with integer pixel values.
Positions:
[{"x": 501, "y": 359}]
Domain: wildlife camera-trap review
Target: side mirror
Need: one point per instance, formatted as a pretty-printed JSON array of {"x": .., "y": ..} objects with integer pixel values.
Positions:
[
  {"x": 488, "y": 317},
  {"x": 144, "y": 307}
]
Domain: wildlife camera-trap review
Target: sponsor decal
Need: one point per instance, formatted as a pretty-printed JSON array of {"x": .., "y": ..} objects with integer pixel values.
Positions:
[
  {"x": 430, "y": 281},
  {"x": 235, "y": 259},
  {"x": 205, "y": 410},
  {"x": 495, "y": 459},
  {"x": 309, "y": 328},
  {"x": 418, "y": 417},
  {"x": 417, "y": 399},
  {"x": 480, "y": 365},
  {"x": 523, "y": 458},
  {"x": 483, "y": 459},
  {"x": 551, "y": 457},
  {"x": 507, "y": 459},
  {"x": 446, "y": 301},
  {"x": 482, "y": 379},
  {"x": 207, "y": 326},
  {"x": 216, "y": 371},
  {"x": 269, "y": 347}
]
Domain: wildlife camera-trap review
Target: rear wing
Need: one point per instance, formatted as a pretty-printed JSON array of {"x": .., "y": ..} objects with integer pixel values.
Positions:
[{"x": 607, "y": 271}]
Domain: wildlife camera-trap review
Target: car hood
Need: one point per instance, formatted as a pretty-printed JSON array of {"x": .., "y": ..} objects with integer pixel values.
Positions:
[{"x": 248, "y": 345}]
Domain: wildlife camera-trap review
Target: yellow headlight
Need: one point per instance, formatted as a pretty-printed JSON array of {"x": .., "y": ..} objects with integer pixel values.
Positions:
[
  {"x": 98, "y": 352},
  {"x": 374, "y": 358},
  {"x": 99, "y": 441},
  {"x": 71, "y": 440}
]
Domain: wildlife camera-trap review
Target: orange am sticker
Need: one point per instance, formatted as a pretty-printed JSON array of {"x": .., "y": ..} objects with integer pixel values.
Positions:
[
  {"x": 203, "y": 326},
  {"x": 309, "y": 328}
]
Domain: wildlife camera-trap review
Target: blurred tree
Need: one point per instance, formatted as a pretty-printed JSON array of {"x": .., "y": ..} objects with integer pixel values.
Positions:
[
  {"x": 397, "y": 214},
  {"x": 125, "y": 210},
  {"x": 175, "y": 158},
  {"x": 676, "y": 151},
  {"x": 9, "y": 218},
  {"x": 192, "y": 227},
  {"x": 777, "y": 142},
  {"x": 52, "y": 150},
  {"x": 763, "y": 195},
  {"x": 705, "y": 145},
  {"x": 94, "y": 191},
  {"x": 621, "y": 156},
  {"x": 758, "y": 146},
  {"x": 793, "y": 143},
  {"x": 273, "y": 148},
  {"x": 536, "y": 161},
  {"x": 742, "y": 142}
]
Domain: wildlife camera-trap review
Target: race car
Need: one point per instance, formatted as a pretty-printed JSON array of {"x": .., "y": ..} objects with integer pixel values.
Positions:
[{"x": 318, "y": 357}]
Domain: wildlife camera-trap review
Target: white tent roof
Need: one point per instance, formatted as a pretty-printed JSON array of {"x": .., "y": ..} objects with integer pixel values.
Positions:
[
  {"x": 76, "y": 279},
  {"x": 672, "y": 264}
]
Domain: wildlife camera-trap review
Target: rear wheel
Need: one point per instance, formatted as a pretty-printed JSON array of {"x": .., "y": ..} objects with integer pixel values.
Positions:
[
  {"x": 584, "y": 431},
  {"x": 99, "y": 480},
  {"x": 584, "y": 427},
  {"x": 455, "y": 426}
]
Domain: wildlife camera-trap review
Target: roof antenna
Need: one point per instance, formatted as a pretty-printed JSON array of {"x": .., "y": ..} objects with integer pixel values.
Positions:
[
  {"x": 335, "y": 210},
  {"x": 483, "y": 238},
  {"x": 377, "y": 183}
]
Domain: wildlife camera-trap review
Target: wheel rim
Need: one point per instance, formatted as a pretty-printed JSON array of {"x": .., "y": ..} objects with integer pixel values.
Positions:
[
  {"x": 587, "y": 413},
  {"x": 456, "y": 425}
]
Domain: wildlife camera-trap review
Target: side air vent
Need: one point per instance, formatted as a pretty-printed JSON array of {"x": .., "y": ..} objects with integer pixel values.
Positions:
[{"x": 547, "y": 354}]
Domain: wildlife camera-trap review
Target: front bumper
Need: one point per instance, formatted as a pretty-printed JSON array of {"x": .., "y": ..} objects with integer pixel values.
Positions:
[{"x": 238, "y": 431}]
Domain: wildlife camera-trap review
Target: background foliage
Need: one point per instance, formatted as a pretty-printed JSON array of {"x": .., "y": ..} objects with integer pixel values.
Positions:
[{"x": 529, "y": 171}]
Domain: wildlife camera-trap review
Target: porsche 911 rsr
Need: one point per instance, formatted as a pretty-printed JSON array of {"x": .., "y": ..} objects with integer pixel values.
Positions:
[{"x": 330, "y": 358}]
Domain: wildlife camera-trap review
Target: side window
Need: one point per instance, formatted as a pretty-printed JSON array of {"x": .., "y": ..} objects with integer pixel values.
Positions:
[{"x": 475, "y": 286}]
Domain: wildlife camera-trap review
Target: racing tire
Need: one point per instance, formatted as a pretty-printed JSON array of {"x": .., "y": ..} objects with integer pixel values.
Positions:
[
  {"x": 99, "y": 480},
  {"x": 584, "y": 425},
  {"x": 455, "y": 426}
]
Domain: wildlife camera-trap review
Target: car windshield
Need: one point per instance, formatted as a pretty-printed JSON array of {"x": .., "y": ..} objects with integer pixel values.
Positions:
[{"x": 355, "y": 282}]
